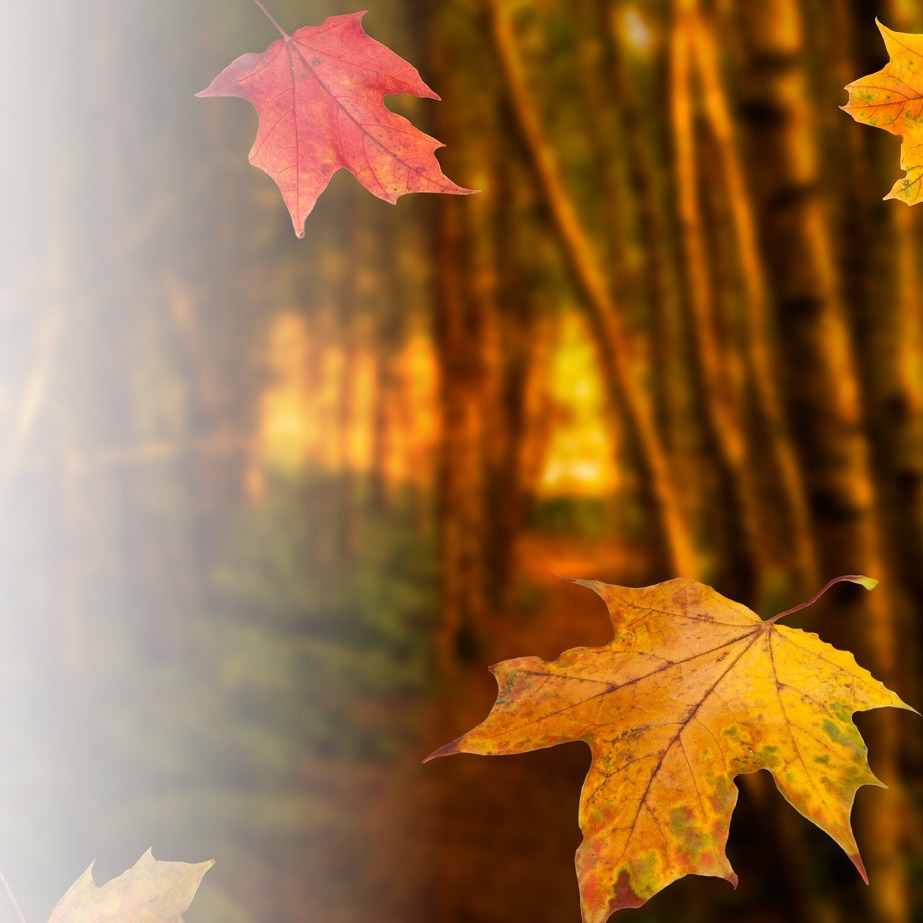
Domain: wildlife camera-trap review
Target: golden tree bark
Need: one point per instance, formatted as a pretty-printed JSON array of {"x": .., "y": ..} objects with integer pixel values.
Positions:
[
  {"x": 896, "y": 378},
  {"x": 757, "y": 334},
  {"x": 822, "y": 381},
  {"x": 659, "y": 277},
  {"x": 715, "y": 373}
]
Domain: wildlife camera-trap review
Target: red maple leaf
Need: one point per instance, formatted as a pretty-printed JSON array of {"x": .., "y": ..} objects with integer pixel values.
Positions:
[{"x": 319, "y": 96}]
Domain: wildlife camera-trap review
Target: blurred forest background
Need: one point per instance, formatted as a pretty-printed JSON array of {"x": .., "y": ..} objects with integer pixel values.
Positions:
[{"x": 269, "y": 507}]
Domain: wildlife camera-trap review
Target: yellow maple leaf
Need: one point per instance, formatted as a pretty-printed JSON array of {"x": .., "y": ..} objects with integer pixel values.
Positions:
[
  {"x": 151, "y": 891},
  {"x": 892, "y": 99},
  {"x": 693, "y": 690}
]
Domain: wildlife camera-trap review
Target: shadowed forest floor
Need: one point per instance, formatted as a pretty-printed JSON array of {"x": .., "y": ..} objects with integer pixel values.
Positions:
[
  {"x": 476, "y": 839},
  {"x": 508, "y": 817},
  {"x": 377, "y": 845},
  {"x": 504, "y": 818}
]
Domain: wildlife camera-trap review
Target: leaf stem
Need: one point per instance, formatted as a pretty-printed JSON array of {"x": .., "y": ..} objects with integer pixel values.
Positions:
[
  {"x": 12, "y": 898},
  {"x": 272, "y": 19},
  {"x": 868, "y": 582}
]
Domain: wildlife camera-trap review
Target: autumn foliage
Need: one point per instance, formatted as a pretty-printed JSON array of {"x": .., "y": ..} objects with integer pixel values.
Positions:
[
  {"x": 270, "y": 508},
  {"x": 892, "y": 99},
  {"x": 692, "y": 691},
  {"x": 151, "y": 891},
  {"x": 318, "y": 93}
]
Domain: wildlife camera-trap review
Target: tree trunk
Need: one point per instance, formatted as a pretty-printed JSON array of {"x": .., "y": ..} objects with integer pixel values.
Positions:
[
  {"x": 757, "y": 335},
  {"x": 461, "y": 464},
  {"x": 742, "y": 561},
  {"x": 822, "y": 385},
  {"x": 603, "y": 314}
]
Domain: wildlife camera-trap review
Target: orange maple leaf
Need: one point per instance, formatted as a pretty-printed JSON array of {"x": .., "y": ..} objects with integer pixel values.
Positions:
[
  {"x": 319, "y": 96},
  {"x": 693, "y": 690},
  {"x": 892, "y": 99}
]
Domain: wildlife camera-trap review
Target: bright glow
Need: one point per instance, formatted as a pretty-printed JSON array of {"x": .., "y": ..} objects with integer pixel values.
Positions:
[
  {"x": 580, "y": 455},
  {"x": 317, "y": 411},
  {"x": 635, "y": 30}
]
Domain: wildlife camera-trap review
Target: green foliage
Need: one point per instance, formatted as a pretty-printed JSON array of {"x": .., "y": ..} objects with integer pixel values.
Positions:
[
  {"x": 575, "y": 515},
  {"x": 298, "y": 665},
  {"x": 334, "y": 624},
  {"x": 304, "y": 649}
]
